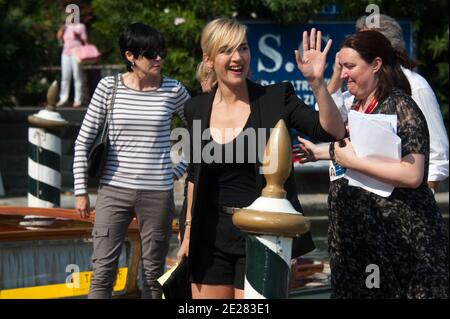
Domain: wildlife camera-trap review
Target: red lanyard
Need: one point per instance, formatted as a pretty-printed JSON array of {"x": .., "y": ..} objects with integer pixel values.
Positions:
[{"x": 373, "y": 104}]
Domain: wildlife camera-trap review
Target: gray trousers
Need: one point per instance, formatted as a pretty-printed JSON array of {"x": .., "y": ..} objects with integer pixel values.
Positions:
[{"x": 115, "y": 208}]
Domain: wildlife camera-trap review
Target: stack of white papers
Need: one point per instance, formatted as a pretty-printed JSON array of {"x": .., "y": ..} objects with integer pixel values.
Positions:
[{"x": 373, "y": 136}]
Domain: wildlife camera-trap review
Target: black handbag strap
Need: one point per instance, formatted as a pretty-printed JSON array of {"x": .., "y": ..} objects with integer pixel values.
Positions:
[{"x": 108, "y": 117}]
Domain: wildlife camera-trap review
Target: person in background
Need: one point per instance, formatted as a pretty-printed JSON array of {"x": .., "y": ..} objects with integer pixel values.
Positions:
[
  {"x": 404, "y": 234},
  {"x": 137, "y": 179},
  {"x": 72, "y": 35},
  {"x": 214, "y": 245},
  {"x": 421, "y": 92}
]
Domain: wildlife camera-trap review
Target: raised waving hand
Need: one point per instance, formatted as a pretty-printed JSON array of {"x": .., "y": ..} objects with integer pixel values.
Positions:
[{"x": 312, "y": 62}]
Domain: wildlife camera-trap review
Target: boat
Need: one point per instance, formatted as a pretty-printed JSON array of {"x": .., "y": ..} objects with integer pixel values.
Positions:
[
  {"x": 46, "y": 253},
  {"x": 309, "y": 279}
]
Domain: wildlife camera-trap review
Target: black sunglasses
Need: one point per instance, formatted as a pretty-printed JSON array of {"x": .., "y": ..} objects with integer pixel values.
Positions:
[{"x": 152, "y": 55}]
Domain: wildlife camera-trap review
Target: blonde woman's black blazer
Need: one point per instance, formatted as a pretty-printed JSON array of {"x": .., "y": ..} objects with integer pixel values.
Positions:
[{"x": 268, "y": 104}]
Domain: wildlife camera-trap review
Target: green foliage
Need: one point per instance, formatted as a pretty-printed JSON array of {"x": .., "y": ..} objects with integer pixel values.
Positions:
[
  {"x": 439, "y": 45},
  {"x": 439, "y": 49},
  {"x": 182, "y": 37},
  {"x": 16, "y": 61},
  {"x": 27, "y": 34},
  {"x": 293, "y": 11}
]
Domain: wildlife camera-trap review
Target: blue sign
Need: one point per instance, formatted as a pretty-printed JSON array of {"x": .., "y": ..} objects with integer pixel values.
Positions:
[{"x": 272, "y": 48}]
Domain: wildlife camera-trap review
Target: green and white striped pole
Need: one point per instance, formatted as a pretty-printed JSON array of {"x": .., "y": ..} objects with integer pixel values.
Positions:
[
  {"x": 44, "y": 154},
  {"x": 271, "y": 222},
  {"x": 44, "y": 175},
  {"x": 268, "y": 261}
]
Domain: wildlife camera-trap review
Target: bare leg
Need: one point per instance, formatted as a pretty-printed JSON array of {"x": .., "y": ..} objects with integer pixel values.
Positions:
[
  {"x": 238, "y": 293},
  {"x": 200, "y": 291}
]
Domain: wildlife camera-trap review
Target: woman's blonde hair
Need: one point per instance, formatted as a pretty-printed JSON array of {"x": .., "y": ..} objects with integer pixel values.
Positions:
[{"x": 219, "y": 33}]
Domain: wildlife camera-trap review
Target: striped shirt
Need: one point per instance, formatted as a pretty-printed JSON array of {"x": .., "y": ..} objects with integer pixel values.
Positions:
[{"x": 139, "y": 136}]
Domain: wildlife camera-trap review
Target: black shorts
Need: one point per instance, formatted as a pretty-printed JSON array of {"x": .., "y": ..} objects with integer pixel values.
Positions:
[{"x": 222, "y": 257}]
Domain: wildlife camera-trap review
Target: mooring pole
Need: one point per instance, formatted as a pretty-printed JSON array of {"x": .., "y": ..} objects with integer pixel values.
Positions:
[
  {"x": 44, "y": 154},
  {"x": 271, "y": 222}
]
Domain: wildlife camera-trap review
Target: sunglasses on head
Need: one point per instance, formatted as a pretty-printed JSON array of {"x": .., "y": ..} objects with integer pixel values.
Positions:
[{"x": 152, "y": 55}]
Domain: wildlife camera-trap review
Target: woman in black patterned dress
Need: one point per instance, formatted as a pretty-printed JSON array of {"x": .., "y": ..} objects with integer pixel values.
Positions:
[{"x": 384, "y": 247}]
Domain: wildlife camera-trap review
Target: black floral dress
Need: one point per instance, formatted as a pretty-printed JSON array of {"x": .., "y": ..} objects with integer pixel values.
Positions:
[{"x": 401, "y": 238}]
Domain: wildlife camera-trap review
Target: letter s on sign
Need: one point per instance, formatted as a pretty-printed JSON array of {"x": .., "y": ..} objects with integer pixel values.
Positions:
[{"x": 270, "y": 52}]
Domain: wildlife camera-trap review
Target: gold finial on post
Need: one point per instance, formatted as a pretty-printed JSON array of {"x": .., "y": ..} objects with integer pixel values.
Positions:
[
  {"x": 272, "y": 213},
  {"x": 277, "y": 161},
  {"x": 273, "y": 222},
  {"x": 49, "y": 118},
  {"x": 52, "y": 96}
]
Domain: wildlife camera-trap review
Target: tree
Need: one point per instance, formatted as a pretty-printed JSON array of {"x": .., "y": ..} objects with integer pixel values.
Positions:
[
  {"x": 439, "y": 48},
  {"x": 32, "y": 25},
  {"x": 27, "y": 34},
  {"x": 20, "y": 56},
  {"x": 181, "y": 23}
]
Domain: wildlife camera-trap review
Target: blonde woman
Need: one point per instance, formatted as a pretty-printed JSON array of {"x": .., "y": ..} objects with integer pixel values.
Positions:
[{"x": 215, "y": 247}]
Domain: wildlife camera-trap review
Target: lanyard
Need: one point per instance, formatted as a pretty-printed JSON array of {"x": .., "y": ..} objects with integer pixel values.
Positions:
[{"x": 373, "y": 104}]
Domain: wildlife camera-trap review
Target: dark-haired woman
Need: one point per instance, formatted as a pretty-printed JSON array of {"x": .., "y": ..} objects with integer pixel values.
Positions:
[
  {"x": 384, "y": 247},
  {"x": 137, "y": 179}
]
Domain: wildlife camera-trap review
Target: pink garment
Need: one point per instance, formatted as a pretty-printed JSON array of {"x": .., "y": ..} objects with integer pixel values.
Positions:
[{"x": 70, "y": 41}]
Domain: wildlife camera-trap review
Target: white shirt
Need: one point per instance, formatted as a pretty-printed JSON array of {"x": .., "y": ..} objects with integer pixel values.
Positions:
[{"x": 425, "y": 98}]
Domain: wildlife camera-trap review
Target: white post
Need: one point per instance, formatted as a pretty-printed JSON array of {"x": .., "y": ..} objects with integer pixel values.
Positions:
[
  {"x": 44, "y": 162},
  {"x": 271, "y": 222},
  {"x": 272, "y": 280},
  {"x": 44, "y": 154}
]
